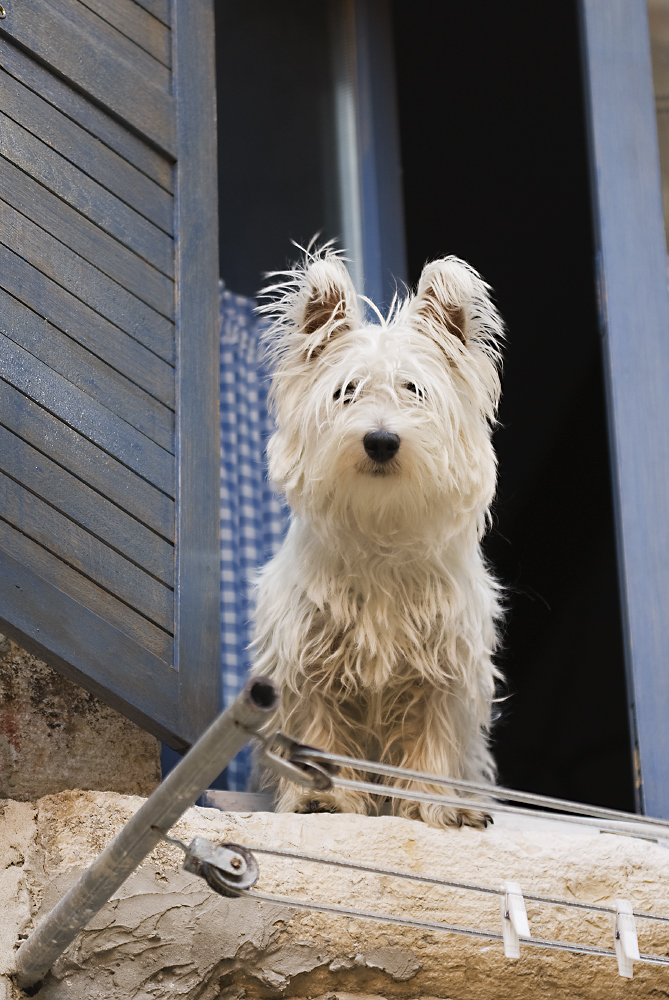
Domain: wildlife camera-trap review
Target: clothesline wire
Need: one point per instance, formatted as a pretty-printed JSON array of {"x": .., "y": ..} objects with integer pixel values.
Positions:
[
  {"x": 433, "y": 925},
  {"x": 490, "y": 791},
  {"x": 435, "y": 880}
]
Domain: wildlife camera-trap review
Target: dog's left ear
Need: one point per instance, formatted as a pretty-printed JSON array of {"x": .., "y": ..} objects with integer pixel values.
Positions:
[{"x": 453, "y": 305}]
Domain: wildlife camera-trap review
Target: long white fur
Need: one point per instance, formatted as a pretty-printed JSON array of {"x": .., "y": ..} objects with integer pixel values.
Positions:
[{"x": 377, "y": 616}]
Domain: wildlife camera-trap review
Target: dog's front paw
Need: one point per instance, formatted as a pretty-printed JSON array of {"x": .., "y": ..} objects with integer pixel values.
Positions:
[
  {"x": 317, "y": 804},
  {"x": 335, "y": 800},
  {"x": 446, "y": 816},
  {"x": 297, "y": 800},
  {"x": 477, "y": 820}
]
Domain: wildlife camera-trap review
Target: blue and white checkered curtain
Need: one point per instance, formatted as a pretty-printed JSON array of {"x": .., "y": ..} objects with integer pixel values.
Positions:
[{"x": 253, "y": 521}]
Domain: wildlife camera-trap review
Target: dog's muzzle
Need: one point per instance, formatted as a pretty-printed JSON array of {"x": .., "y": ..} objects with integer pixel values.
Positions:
[{"x": 381, "y": 446}]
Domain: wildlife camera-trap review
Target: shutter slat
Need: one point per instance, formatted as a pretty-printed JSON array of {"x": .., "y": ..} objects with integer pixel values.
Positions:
[
  {"x": 46, "y": 387},
  {"x": 137, "y": 24},
  {"x": 62, "y": 576},
  {"x": 86, "y": 461},
  {"x": 80, "y": 623},
  {"x": 86, "y": 152},
  {"x": 86, "y": 195},
  {"x": 81, "y": 504},
  {"x": 159, "y": 9},
  {"x": 92, "y": 57},
  {"x": 88, "y": 373},
  {"x": 86, "y": 239},
  {"x": 79, "y": 549},
  {"x": 88, "y": 115},
  {"x": 103, "y": 36},
  {"x": 67, "y": 269},
  {"x": 148, "y": 368}
]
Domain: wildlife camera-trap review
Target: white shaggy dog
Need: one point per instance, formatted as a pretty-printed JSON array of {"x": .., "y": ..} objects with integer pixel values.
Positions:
[{"x": 377, "y": 616}]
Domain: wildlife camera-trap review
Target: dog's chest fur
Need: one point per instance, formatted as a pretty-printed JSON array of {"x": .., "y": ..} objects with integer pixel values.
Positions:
[{"x": 369, "y": 619}]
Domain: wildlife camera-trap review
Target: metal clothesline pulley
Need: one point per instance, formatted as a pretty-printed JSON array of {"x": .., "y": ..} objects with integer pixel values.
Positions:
[
  {"x": 296, "y": 762},
  {"x": 227, "y": 868}
]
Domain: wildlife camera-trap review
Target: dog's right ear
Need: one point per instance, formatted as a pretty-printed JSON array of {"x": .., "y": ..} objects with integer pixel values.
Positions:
[
  {"x": 452, "y": 305},
  {"x": 314, "y": 305},
  {"x": 327, "y": 304}
]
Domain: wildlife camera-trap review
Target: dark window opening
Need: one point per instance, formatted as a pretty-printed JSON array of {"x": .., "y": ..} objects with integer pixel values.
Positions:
[
  {"x": 277, "y": 158},
  {"x": 495, "y": 170}
]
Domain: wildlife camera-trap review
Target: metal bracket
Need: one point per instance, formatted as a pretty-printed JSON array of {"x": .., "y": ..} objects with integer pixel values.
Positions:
[
  {"x": 292, "y": 760},
  {"x": 226, "y": 868}
]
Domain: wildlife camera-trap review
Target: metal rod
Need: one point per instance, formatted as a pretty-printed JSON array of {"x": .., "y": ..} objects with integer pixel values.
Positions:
[
  {"x": 491, "y": 791},
  {"x": 181, "y": 788}
]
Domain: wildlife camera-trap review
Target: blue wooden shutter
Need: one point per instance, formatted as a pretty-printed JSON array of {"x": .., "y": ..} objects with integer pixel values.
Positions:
[
  {"x": 632, "y": 276},
  {"x": 109, "y": 446}
]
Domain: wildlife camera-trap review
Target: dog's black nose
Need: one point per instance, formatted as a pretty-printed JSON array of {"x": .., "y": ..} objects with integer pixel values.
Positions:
[{"x": 381, "y": 445}]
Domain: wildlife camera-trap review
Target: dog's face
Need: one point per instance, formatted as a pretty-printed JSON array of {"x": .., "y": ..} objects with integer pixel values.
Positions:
[{"x": 384, "y": 429}]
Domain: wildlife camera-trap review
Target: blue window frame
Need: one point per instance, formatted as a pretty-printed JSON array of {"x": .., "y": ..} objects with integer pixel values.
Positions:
[{"x": 634, "y": 318}]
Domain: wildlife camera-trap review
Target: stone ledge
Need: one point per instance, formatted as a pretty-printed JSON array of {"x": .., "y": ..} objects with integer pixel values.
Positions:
[{"x": 166, "y": 935}]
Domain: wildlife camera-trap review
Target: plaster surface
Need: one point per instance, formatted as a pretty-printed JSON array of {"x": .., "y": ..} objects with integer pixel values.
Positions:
[
  {"x": 55, "y": 735},
  {"x": 166, "y": 935}
]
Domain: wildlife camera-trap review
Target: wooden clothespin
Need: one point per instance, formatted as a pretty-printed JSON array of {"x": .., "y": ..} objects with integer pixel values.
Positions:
[
  {"x": 514, "y": 918},
  {"x": 626, "y": 941}
]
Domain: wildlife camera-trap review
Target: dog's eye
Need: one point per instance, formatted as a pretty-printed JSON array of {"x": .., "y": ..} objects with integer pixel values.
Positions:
[
  {"x": 414, "y": 390},
  {"x": 348, "y": 394}
]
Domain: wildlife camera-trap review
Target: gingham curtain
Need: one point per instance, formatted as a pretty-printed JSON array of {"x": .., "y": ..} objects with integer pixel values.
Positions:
[{"x": 253, "y": 521}]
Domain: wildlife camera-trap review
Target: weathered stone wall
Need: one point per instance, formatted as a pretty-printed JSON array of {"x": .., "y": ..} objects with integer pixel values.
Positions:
[
  {"x": 166, "y": 935},
  {"x": 55, "y": 735}
]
